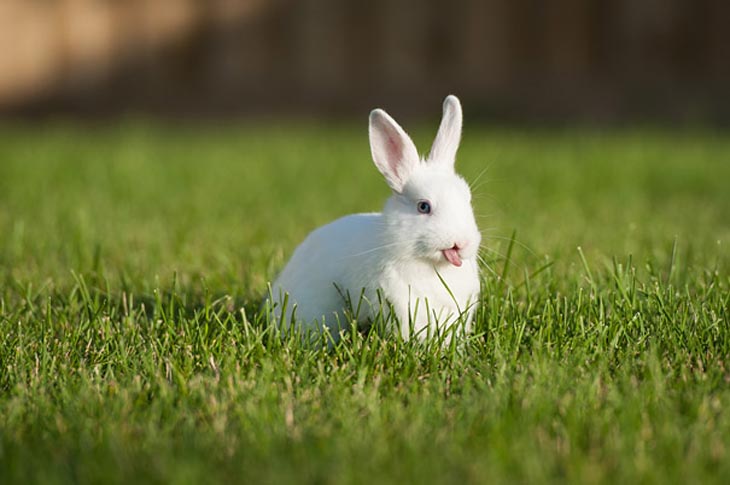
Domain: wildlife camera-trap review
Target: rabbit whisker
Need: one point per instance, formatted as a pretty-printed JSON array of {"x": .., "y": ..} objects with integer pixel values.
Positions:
[
  {"x": 378, "y": 248},
  {"x": 473, "y": 182},
  {"x": 486, "y": 265},
  {"x": 503, "y": 256},
  {"x": 492, "y": 251},
  {"x": 526, "y": 247}
]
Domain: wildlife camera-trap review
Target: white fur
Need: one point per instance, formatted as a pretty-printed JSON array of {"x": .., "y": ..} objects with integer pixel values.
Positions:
[{"x": 397, "y": 253}]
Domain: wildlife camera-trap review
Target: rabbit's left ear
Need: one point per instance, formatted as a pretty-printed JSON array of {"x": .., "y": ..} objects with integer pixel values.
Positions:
[
  {"x": 443, "y": 151},
  {"x": 393, "y": 152}
]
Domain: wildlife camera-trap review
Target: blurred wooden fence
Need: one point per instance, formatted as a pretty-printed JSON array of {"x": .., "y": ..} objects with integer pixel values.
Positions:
[{"x": 521, "y": 58}]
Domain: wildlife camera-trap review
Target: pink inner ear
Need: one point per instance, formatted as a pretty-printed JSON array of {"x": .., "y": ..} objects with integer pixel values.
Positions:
[{"x": 395, "y": 154}]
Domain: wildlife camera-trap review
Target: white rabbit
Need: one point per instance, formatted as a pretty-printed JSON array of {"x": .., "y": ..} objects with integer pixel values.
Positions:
[{"x": 420, "y": 253}]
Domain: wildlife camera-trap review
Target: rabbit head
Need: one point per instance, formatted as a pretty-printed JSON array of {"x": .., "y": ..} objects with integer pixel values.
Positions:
[{"x": 430, "y": 211}]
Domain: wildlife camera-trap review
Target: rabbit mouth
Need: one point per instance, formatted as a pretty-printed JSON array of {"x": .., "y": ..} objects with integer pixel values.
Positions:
[{"x": 452, "y": 255}]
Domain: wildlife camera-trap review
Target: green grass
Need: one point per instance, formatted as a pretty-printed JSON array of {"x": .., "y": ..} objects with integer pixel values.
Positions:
[{"x": 133, "y": 258}]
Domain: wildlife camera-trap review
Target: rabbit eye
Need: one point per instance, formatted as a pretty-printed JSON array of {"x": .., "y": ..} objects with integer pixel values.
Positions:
[{"x": 424, "y": 207}]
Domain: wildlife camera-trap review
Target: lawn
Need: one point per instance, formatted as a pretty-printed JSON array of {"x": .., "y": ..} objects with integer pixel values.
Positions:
[{"x": 133, "y": 257}]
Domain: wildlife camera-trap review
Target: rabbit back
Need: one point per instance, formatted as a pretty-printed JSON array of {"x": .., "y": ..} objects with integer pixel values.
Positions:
[{"x": 334, "y": 262}]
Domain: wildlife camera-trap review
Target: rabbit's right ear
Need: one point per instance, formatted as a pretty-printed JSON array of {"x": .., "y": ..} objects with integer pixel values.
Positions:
[
  {"x": 394, "y": 153},
  {"x": 446, "y": 144}
]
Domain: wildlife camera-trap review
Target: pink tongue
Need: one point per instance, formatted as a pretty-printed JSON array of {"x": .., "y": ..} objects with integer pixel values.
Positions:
[{"x": 452, "y": 256}]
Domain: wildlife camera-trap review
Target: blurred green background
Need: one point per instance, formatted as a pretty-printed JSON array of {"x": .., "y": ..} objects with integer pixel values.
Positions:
[{"x": 232, "y": 200}]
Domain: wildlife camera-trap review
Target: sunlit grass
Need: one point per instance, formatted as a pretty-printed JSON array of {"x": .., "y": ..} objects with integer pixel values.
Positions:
[{"x": 133, "y": 259}]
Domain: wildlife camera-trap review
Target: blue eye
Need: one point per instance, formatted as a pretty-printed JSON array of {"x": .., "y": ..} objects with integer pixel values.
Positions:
[{"x": 424, "y": 207}]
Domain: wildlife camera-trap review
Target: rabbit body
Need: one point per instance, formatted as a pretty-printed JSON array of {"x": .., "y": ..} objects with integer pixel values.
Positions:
[
  {"x": 417, "y": 258},
  {"x": 320, "y": 278}
]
